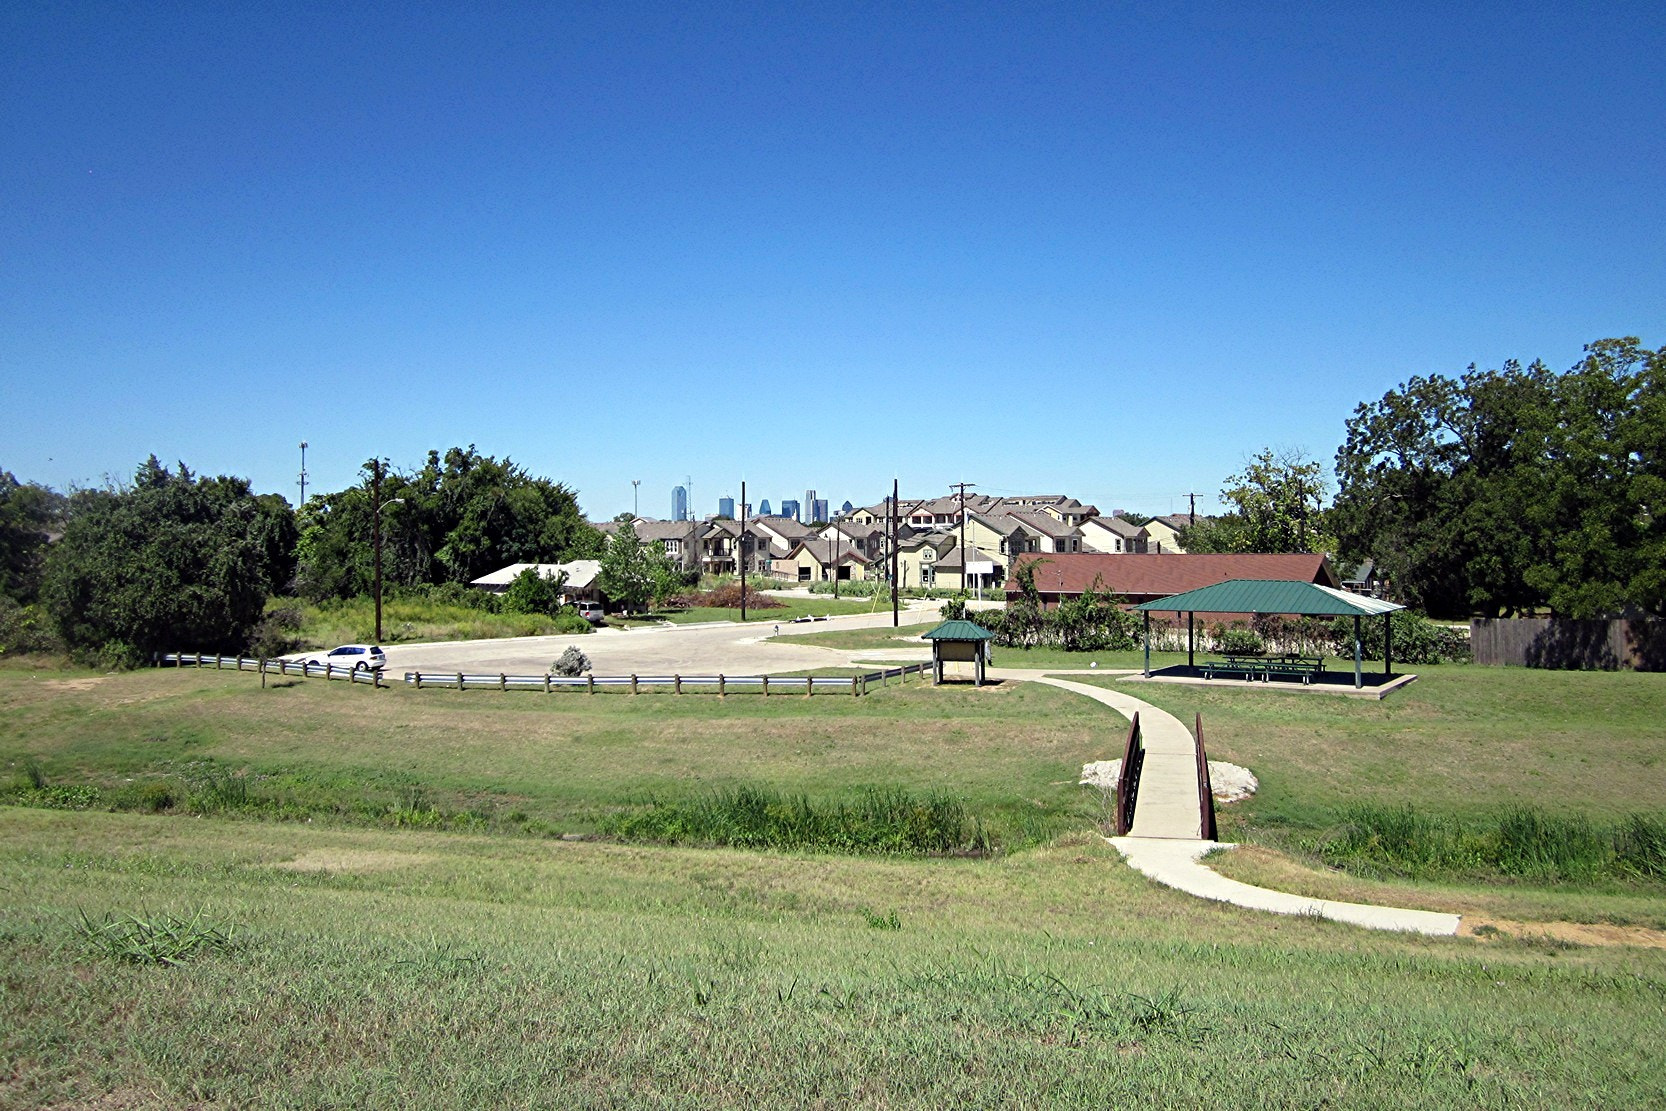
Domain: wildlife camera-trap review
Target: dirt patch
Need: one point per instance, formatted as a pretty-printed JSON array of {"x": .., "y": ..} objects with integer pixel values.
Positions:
[
  {"x": 352, "y": 860},
  {"x": 73, "y": 684},
  {"x": 1577, "y": 933}
]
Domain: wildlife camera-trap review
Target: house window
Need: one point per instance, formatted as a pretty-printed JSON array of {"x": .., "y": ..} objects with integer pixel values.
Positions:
[{"x": 803, "y": 573}]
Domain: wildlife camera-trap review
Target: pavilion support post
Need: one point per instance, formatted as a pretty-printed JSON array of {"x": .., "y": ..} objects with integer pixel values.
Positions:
[
  {"x": 1191, "y": 638},
  {"x": 1359, "y": 676},
  {"x": 1148, "y": 644},
  {"x": 1388, "y": 646}
]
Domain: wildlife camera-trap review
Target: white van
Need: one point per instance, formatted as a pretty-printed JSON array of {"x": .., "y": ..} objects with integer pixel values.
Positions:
[{"x": 591, "y": 612}]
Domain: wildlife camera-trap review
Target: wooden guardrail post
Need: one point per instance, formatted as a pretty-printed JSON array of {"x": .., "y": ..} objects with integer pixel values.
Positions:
[
  {"x": 460, "y": 680},
  {"x": 329, "y": 670},
  {"x": 676, "y": 684},
  {"x": 633, "y": 682},
  {"x": 721, "y": 692},
  {"x": 502, "y": 681},
  {"x": 809, "y": 685},
  {"x": 766, "y": 686},
  {"x": 546, "y": 682},
  {"x": 854, "y": 692},
  {"x": 418, "y": 676},
  {"x": 590, "y": 682}
]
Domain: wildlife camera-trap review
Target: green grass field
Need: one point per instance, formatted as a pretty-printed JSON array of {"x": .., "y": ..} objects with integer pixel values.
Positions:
[
  {"x": 411, "y": 620},
  {"x": 490, "y": 963}
]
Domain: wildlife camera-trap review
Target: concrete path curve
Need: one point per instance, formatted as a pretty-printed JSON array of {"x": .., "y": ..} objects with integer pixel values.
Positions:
[{"x": 1165, "y": 845}]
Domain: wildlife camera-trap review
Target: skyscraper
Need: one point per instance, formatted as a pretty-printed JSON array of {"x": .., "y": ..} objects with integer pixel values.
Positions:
[
  {"x": 763, "y": 508},
  {"x": 726, "y": 507},
  {"x": 679, "y": 503},
  {"x": 809, "y": 507},
  {"x": 789, "y": 509},
  {"x": 819, "y": 513}
]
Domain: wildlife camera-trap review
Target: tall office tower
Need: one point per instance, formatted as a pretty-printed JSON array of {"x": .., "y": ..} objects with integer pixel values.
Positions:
[
  {"x": 679, "y": 503},
  {"x": 789, "y": 509},
  {"x": 846, "y": 509},
  {"x": 763, "y": 508},
  {"x": 819, "y": 513},
  {"x": 810, "y": 506},
  {"x": 726, "y": 507}
]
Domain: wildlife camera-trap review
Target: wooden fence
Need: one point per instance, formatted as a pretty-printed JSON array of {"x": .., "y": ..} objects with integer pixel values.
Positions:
[
  {"x": 1559, "y": 643},
  {"x": 806, "y": 685}
]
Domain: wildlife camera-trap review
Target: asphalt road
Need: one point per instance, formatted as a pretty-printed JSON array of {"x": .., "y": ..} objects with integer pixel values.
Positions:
[{"x": 727, "y": 648}]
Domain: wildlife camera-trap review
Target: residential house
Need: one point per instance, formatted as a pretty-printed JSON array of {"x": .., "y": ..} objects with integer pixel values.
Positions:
[
  {"x": 1163, "y": 533},
  {"x": 824, "y": 560},
  {"x": 579, "y": 586},
  {"x": 1112, "y": 536}
]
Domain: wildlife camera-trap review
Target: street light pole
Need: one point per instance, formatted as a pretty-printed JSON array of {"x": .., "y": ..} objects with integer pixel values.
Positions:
[
  {"x": 636, "y": 484},
  {"x": 740, "y": 551},
  {"x": 376, "y": 539},
  {"x": 303, "y": 474}
]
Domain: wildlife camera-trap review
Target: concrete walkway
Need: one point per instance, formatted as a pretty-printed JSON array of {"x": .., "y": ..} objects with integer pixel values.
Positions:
[
  {"x": 1178, "y": 864},
  {"x": 1168, "y": 804},
  {"x": 1165, "y": 844}
]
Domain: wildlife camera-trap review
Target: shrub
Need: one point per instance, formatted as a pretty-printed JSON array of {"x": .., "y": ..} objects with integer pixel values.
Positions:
[
  {"x": 1417, "y": 640},
  {"x": 727, "y": 596},
  {"x": 1240, "y": 642},
  {"x": 532, "y": 592},
  {"x": 571, "y": 663},
  {"x": 278, "y": 633},
  {"x": 26, "y": 629}
]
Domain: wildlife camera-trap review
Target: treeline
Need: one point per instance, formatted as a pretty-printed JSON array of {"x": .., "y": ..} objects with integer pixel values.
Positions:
[
  {"x": 1495, "y": 493},
  {"x": 1511, "y": 490},
  {"x": 172, "y": 558}
]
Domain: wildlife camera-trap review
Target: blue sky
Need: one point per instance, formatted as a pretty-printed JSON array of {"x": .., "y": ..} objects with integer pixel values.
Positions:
[{"x": 1108, "y": 250}]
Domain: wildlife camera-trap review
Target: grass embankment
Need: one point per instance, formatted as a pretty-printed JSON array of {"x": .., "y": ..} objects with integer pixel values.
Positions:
[
  {"x": 807, "y": 606},
  {"x": 568, "y": 762},
  {"x": 411, "y": 620},
  {"x": 376, "y": 968},
  {"x": 1504, "y": 786}
]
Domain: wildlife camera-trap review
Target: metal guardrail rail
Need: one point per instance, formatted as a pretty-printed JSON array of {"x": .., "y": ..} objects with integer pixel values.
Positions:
[
  {"x": 856, "y": 685},
  {"x": 1128, "y": 779},
  {"x": 1205, "y": 790}
]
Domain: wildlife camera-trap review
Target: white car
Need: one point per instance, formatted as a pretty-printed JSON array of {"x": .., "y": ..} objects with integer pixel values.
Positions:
[
  {"x": 592, "y": 612},
  {"x": 353, "y": 657}
]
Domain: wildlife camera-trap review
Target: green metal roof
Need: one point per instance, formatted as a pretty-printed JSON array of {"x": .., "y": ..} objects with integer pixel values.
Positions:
[
  {"x": 959, "y": 630},
  {"x": 1271, "y": 596}
]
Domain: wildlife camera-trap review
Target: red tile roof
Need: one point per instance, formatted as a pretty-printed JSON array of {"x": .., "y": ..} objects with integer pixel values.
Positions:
[{"x": 1141, "y": 578}]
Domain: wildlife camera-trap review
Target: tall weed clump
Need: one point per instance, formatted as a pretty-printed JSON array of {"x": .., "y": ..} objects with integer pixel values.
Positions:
[
  {"x": 879, "y": 820},
  {"x": 1521, "y": 843}
]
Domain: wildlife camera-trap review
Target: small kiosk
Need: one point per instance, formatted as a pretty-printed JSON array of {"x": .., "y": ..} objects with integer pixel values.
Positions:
[{"x": 959, "y": 642}]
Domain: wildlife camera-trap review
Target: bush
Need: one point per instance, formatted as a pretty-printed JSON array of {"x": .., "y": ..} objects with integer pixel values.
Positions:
[
  {"x": 1417, "y": 640},
  {"x": 727, "y": 596},
  {"x": 278, "y": 634},
  {"x": 532, "y": 592},
  {"x": 26, "y": 629},
  {"x": 571, "y": 663},
  {"x": 1240, "y": 642}
]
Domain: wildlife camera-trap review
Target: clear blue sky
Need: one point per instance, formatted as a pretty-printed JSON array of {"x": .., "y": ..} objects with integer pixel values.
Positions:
[{"x": 1097, "y": 249}]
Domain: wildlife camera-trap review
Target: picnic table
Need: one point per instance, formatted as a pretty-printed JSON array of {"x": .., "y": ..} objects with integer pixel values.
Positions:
[{"x": 1250, "y": 666}]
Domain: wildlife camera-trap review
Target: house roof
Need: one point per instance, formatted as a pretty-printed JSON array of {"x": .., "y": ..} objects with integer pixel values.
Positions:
[
  {"x": 1157, "y": 576},
  {"x": 1125, "y": 529},
  {"x": 1272, "y": 596},
  {"x": 580, "y": 573},
  {"x": 958, "y": 630},
  {"x": 663, "y": 530},
  {"x": 820, "y": 550}
]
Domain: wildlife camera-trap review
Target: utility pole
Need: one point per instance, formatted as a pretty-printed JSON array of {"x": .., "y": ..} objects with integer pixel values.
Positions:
[
  {"x": 1191, "y": 518},
  {"x": 303, "y": 473},
  {"x": 896, "y": 541},
  {"x": 636, "y": 484},
  {"x": 740, "y": 551},
  {"x": 961, "y": 486},
  {"x": 376, "y": 538}
]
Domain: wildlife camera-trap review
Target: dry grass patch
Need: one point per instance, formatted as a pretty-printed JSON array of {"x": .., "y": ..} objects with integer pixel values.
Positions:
[{"x": 357, "y": 861}]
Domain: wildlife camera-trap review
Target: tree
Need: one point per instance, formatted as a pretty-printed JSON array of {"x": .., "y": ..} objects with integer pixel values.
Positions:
[
  {"x": 533, "y": 592},
  {"x": 456, "y": 518},
  {"x": 1509, "y": 490},
  {"x": 1278, "y": 506},
  {"x": 27, "y": 513},
  {"x": 626, "y": 575},
  {"x": 170, "y": 562}
]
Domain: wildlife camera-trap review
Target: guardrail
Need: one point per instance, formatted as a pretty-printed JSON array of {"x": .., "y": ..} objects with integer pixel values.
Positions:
[
  {"x": 1205, "y": 791},
  {"x": 808, "y": 685},
  {"x": 1128, "y": 779},
  {"x": 307, "y": 669}
]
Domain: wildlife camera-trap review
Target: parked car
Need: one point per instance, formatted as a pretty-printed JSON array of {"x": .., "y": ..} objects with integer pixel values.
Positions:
[
  {"x": 591, "y": 612},
  {"x": 354, "y": 657}
]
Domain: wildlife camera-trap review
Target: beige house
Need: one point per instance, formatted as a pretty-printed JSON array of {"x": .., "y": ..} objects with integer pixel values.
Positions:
[
  {"x": 825, "y": 560},
  {"x": 1163, "y": 533},
  {"x": 1112, "y": 536}
]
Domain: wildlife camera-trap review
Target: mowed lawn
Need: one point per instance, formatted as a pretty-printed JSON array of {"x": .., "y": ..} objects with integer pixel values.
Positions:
[
  {"x": 373, "y": 966},
  {"x": 559, "y": 762},
  {"x": 419, "y": 969}
]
